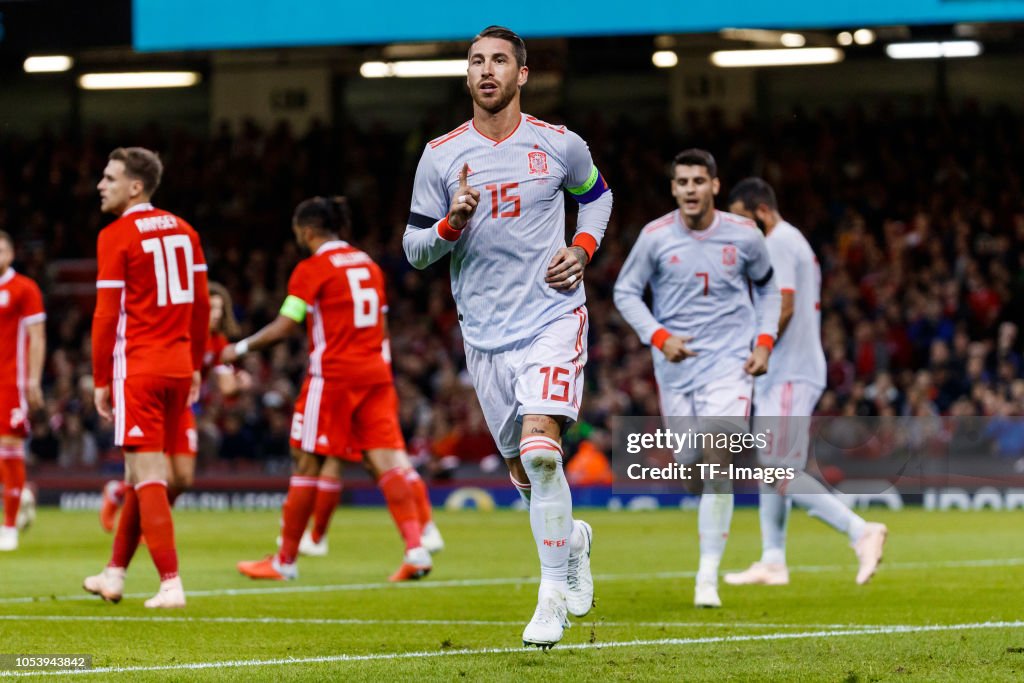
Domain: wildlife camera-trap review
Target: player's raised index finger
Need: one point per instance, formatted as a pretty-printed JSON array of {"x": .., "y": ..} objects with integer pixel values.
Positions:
[{"x": 464, "y": 175}]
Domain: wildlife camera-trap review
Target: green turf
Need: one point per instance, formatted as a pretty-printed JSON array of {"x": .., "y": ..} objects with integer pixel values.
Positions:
[{"x": 941, "y": 568}]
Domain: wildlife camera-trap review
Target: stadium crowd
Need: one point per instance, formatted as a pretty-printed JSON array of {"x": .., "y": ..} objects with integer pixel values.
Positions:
[{"x": 916, "y": 218}]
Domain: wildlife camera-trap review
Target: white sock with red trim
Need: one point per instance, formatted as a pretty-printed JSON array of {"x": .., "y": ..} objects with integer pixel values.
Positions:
[{"x": 550, "y": 507}]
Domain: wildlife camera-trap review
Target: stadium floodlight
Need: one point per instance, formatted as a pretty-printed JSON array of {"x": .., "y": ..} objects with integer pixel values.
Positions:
[
  {"x": 138, "y": 80},
  {"x": 863, "y": 36},
  {"x": 430, "y": 68},
  {"x": 784, "y": 57},
  {"x": 934, "y": 50},
  {"x": 845, "y": 38},
  {"x": 792, "y": 40},
  {"x": 43, "y": 64},
  {"x": 665, "y": 59}
]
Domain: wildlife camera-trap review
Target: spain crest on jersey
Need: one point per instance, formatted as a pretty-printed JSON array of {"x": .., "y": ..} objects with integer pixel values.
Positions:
[
  {"x": 729, "y": 255},
  {"x": 538, "y": 163}
]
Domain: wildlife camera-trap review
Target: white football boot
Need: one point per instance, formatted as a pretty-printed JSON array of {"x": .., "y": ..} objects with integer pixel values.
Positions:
[
  {"x": 310, "y": 548},
  {"x": 580, "y": 597},
  {"x": 431, "y": 539},
  {"x": 549, "y": 620},
  {"x": 760, "y": 573},
  {"x": 108, "y": 584},
  {"x": 8, "y": 538},
  {"x": 26, "y": 510},
  {"x": 869, "y": 550},
  {"x": 171, "y": 595},
  {"x": 706, "y": 593}
]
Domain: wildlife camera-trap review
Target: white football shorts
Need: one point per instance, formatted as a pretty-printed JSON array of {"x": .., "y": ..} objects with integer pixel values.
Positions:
[
  {"x": 782, "y": 412},
  {"x": 538, "y": 376}
]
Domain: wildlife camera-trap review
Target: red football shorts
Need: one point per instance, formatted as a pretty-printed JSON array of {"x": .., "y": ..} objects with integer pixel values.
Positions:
[
  {"x": 186, "y": 441},
  {"x": 341, "y": 421},
  {"x": 149, "y": 412},
  {"x": 13, "y": 417}
]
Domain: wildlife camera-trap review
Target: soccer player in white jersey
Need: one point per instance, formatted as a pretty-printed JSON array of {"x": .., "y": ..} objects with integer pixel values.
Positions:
[
  {"x": 490, "y": 193},
  {"x": 708, "y": 339},
  {"x": 784, "y": 399}
]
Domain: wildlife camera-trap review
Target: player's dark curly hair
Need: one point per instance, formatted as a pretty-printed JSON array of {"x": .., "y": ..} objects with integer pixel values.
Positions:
[
  {"x": 505, "y": 34},
  {"x": 696, "y": 157},
  {"x": 329, "y": 215},
  {"x": 753, "y": 192}
]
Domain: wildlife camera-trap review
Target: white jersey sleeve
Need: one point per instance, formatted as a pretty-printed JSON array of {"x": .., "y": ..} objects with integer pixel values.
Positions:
[
  {"x": 784, "y": 263},
  {"x": 798, "y": 354},
  {"x": 585, "y": 183},
  {"x": 423, "y": 243},
  {"x": 629, "y": 290},
  {"x": 767, "y": 300}
]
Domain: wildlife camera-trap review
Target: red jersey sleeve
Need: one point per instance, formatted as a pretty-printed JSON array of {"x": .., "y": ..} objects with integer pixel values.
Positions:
[
  {"x": 200, "y": 305},
  {"x": 31, "y": 309},
  {"x": 303, "y": 283},
  {"x": 111, "y": 257}
]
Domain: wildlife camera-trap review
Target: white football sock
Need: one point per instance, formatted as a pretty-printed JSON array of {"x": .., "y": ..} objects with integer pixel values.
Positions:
[
  {"x": 550, "y": 506},
  {"x": 809, "y": 493},
  {"x": 773, "y": 509},
  {"x": 714, "y": 515}
]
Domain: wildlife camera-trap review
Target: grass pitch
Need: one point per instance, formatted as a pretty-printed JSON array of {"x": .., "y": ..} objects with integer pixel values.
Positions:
[{"x": 948, "y": 603}]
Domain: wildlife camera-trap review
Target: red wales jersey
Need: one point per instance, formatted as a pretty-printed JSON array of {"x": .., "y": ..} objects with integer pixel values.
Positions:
[
  {"x": 21, "y": 304},
  {"x": 343, "y": 290},
  {"x": 153, "y": 304}
]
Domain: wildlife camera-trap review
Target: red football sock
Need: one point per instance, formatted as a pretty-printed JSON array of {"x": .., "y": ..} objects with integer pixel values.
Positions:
[
  {"x": 158, "y": 527},
  {"x": 129, "y": 530},
  {"x": 298, "y": 507},
  {"x": 420, "y": 495},
  {"x": 402, "y": 506},
  {"x": 328, "y": 493},
  {"x": 14, "y": 480}
]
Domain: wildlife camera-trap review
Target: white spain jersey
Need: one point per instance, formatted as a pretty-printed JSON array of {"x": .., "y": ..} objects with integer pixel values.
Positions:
[
  {"x": 700, "y": 281},
  {"x": 499, "y": 261},
  {"x": 798, "y": 355}
]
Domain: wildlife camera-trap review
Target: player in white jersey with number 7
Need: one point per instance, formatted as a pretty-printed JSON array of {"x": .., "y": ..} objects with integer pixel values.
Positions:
[
  {"x": 490, "y": 193},
  {"x": 709, "y": 340},
  {"x": 784, "y": 399}
]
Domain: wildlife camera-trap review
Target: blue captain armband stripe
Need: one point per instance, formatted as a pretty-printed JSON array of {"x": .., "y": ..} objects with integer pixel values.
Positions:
[{"x": 594, "y": 186}]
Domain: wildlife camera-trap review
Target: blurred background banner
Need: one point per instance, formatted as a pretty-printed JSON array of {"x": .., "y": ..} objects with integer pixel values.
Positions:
[{"x": 218, "y": 24}]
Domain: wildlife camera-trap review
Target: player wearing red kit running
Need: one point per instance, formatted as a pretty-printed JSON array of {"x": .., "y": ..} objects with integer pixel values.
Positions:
[
  {"x": 21, "y": 368},
  {"x": 348, "y": 402},
  {"x": 148, "y": 339}
]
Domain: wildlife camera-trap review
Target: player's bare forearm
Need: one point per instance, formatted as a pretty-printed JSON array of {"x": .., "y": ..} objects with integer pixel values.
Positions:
[
  {"x": 36, "y": 358},
  {"x": 278, "y": 329},
  {"x": 786, "y": 313}
]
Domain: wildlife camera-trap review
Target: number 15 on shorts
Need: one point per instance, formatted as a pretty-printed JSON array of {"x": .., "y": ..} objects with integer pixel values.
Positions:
[{"x": 555, "y": 387}]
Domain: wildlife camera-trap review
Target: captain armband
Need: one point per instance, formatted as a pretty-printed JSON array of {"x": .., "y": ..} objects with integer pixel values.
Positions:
[
  {"x": 593, "y": 187},
  {"x": 293, "y": 308}
]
